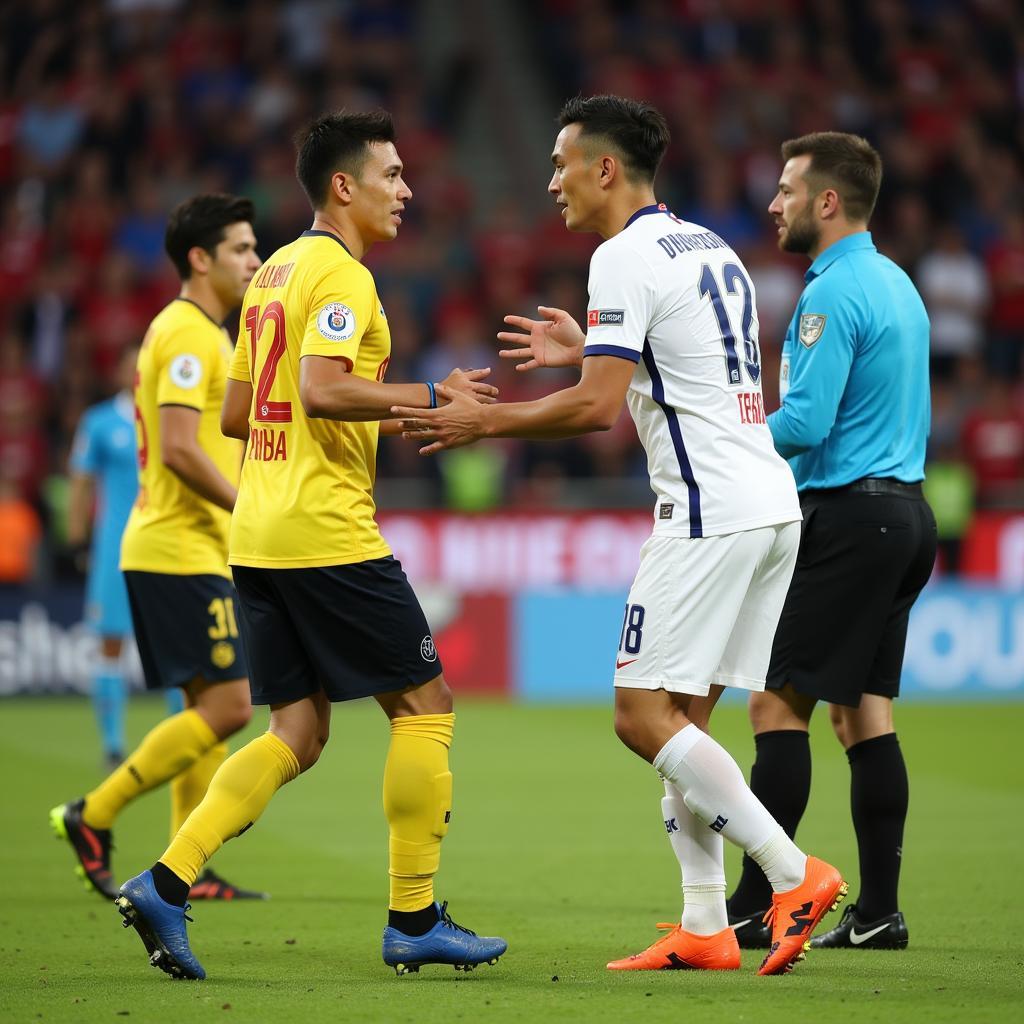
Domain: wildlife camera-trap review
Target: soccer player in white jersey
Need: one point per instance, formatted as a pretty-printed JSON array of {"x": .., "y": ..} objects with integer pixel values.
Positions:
[{"x": 672, "y": 330}]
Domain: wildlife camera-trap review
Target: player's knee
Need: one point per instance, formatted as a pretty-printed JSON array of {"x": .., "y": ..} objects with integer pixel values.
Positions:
[
  {"x": 759, "y": 711},
  {"x": 630, "y": 732},
  {"x": 231, "y": 716}
]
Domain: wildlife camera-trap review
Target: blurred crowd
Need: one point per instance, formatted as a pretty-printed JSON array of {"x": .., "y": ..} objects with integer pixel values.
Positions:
[{"x": 111, "y": 112}]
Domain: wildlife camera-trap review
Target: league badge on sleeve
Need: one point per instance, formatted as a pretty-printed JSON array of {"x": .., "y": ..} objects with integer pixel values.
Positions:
[
  {"x": 336, "y": 322},
  {"x": 186, "y": 371},
  {"x": 811, "y": 327}
]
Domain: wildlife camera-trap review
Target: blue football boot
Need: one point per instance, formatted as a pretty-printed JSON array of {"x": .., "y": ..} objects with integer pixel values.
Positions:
[
  {"x": 160, "y": 925},
  {"x": 445, "y": 943}
]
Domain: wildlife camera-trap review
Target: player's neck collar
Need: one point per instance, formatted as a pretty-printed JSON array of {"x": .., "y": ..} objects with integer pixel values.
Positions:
[
  {"x": 644, "y": 211},
  {"x": 193, "y": 302},
  {"x": 312, "y": 233}
]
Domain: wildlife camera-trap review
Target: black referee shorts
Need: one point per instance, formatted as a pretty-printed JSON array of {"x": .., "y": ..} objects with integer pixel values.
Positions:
[
  {"x": 348, "y": 630},
  {"x": 863, "y": 559},
  {"x": 186, "y": 628}
]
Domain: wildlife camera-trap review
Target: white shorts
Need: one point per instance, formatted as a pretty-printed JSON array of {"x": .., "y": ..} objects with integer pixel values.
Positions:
[{"x": 705, "y": 610}]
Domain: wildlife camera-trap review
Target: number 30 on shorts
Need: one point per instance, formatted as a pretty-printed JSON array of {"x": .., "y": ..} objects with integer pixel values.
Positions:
[{"x": 632, "y": 634}]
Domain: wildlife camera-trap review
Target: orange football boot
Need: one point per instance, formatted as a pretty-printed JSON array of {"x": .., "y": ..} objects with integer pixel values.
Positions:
[
  {"x": 682, "y": 951},
  {"x": 793, "y": 915}
]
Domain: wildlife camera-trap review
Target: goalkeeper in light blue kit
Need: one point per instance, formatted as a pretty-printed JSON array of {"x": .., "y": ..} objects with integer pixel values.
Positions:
[{"x": 104, "y": 477}]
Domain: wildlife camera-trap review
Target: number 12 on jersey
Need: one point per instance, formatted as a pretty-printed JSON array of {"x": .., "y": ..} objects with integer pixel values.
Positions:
[
  {"x": 733, "y": 276},
  {"x": 264, "y": 410}
]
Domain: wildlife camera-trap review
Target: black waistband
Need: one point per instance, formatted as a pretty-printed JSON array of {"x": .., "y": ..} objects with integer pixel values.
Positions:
[{"x": 867, "y": 485}]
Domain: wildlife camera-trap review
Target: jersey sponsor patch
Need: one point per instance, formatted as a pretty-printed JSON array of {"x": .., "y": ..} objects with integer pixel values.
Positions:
[
  {"x": 186, "y": 372},
  {"x": 811, "y": 327},
  {"x": 606, "y": 317},
  {"x": 336, "y": 322}
]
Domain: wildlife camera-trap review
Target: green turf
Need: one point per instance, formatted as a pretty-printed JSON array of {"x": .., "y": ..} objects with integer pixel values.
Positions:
[{"x": 556, "y": 844}]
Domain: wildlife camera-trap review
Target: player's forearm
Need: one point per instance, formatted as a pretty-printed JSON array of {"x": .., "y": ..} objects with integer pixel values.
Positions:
[
  {"x": 356, "y": 399},
  {"x": 194, "y": 468},
  {"x": 79, "y": 508},
  {"x": 568, "y": 413}
]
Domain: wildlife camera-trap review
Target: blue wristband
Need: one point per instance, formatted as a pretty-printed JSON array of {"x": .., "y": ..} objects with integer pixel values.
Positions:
[{"x": 433, "y": 394}]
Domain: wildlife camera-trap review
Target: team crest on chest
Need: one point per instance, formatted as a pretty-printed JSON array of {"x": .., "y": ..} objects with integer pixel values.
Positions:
[
  {"x": 336, "y": 322},
  {"x": 811, "y": 327}
]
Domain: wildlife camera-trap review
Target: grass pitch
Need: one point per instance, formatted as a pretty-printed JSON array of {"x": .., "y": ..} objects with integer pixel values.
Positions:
[{"x": 556, "y": 844}]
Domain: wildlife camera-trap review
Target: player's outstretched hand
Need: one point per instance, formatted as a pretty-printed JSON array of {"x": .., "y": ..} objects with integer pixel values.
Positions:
[
  {"x": 456, "y": 423},
  {"x": 555, "y": 340},
  {"x": 470, "y": 383}
]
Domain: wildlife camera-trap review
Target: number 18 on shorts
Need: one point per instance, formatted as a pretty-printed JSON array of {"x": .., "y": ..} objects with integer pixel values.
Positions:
[{"x": 704, "y": 610}]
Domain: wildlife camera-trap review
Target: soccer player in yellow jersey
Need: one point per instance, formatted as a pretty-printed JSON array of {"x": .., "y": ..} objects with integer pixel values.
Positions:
[
  {"x": 326, "y": 612},
  {"x": 174, "y": 547}
]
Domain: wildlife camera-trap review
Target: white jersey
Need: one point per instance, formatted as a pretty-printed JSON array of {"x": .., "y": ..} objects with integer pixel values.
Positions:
[{"x": 675, "y": 299}]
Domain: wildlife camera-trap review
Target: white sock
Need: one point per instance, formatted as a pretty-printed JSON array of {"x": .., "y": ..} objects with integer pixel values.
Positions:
[
  {"x": 701, "y": 861},
  {"x": 713, "y": 788}
]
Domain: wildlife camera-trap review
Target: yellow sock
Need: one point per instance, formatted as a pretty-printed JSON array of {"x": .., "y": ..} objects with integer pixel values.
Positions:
[
  {"x": 418, "y": 805},
  {"x": 238, "y": 794},
  {"x": 166, "y": 750},
  {"x": 190, "y": 786}
]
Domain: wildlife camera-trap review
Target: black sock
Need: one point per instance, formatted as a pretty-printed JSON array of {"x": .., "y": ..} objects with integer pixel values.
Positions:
[
  {"x": 413, "y": 922},
  {"x": 169, "y": 887},
  {"x": 879, "y": 794},
  {"x": 781, "y": 780}
]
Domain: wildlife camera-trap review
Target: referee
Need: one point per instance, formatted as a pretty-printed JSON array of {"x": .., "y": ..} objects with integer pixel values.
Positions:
[{"x": 853, "y": 425}]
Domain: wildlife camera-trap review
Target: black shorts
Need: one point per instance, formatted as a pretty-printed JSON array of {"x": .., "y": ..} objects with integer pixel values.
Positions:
[
  {"x": 186, "y": 628},
  {"x": 863, "y": 559},
  {"x": 348, "y": 630}
]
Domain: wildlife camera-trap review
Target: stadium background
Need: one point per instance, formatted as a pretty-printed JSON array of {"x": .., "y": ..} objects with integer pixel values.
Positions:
[{"x": 112, "y": 112}]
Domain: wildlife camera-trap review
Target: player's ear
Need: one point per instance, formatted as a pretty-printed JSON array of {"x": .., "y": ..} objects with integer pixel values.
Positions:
[
  {"x": 341, "y": 187},
  {"x": 608, "y": 170},
  {"x": 199, "y": 260}
]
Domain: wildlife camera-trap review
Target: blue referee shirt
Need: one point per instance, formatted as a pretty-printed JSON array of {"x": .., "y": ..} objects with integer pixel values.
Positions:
[{"x": 854, "y": 378}]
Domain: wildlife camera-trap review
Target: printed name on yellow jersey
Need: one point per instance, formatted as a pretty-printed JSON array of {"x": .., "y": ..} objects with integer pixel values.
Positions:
[
  {"x": 267, "y": 445},
  {"x": 273, "y": 275}
]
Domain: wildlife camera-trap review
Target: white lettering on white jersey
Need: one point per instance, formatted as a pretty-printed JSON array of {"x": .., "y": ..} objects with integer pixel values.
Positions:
[{"x": 675, "y": 299}]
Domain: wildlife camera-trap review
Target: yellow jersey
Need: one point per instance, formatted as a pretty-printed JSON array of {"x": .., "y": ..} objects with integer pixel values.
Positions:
[
  {"x": 306, "y": 494},
  {"x": 183, "y": 361}
]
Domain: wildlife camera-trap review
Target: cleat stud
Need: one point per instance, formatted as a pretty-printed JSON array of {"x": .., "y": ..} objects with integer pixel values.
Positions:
[
  {"x": 806, "y": 946},
  {"x": 493, "y": 961}
]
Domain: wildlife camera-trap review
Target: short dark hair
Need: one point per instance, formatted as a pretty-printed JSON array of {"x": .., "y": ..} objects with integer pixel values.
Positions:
[
  {"x": 337, "y": 142},
  {"x": 201, "y": 221},
  {"x": 847, "y": 163},
  {"x": 636, "y": 130}
]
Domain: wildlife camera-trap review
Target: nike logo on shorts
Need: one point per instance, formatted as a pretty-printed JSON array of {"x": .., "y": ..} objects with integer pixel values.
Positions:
[
  {"x": 623, "y": 664},
  {"x": 859, "y": 937}
]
